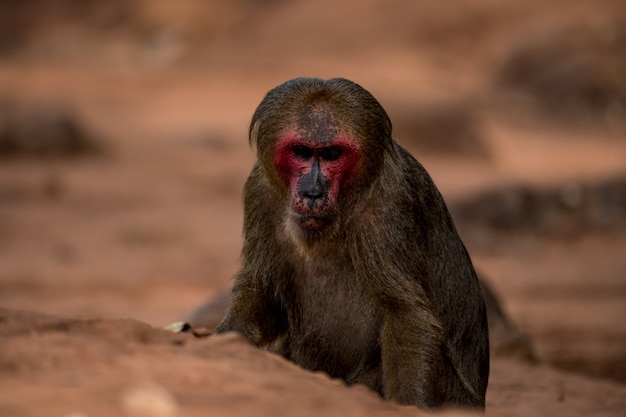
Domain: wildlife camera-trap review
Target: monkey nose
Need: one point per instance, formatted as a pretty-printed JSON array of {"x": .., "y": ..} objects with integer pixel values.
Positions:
[
  {"x": 312, "y": 187},
  {"x": 312, "y": 193}
]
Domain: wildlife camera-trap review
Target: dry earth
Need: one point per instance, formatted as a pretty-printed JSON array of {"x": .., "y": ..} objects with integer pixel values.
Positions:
[{"x": 123, "y": 153}]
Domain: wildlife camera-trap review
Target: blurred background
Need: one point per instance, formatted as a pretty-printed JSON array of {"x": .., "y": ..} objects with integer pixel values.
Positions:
[{"x": 123, "y": 146}]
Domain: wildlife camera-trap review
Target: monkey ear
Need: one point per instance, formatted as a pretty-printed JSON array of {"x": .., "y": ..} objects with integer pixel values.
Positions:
[{"x": 253, "y": 133}]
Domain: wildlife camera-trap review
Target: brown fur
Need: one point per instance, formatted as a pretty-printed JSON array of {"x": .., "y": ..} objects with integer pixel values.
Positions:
[{"x": 386, "y": 295}]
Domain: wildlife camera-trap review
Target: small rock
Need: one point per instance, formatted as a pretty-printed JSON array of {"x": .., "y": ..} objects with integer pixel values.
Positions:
[{"x": 149, "y": 400}]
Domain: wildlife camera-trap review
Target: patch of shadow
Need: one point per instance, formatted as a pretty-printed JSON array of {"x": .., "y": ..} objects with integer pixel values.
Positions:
[
  {"x": 576, "y": 75},
  {"x": 607, "y": 366},
  {"x": 50, "y": 187},
  {"x": 505, "y": 339},
  {"x": 45, "y": 131},
  {"x": 439, "y": 128},
  {"x": 572, "y": 209}
]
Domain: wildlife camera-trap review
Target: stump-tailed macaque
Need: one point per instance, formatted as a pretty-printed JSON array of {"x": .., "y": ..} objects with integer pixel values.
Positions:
[{"x": 351, "y": 264}]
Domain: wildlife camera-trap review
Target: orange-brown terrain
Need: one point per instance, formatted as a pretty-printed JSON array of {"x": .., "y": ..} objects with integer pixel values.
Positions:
[{"x": 123, "y": 152}]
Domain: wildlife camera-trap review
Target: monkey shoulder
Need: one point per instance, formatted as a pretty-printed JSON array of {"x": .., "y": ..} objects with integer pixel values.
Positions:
[
  {"x": 416, "y": 177},
  {"x": 261, "y": 201},
  {"x": 406, "y": 198}
]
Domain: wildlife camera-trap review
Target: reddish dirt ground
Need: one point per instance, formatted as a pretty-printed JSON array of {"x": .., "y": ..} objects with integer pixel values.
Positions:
[{"x": 99, "y": 252}]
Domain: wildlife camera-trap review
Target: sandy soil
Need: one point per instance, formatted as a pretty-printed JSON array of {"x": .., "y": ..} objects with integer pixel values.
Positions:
[{"x": 99, "y": 251}]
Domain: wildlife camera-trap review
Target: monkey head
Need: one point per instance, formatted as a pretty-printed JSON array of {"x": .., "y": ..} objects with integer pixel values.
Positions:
[
  {"x": 315, "y": 159},
  {"x": 311, "y": 137}
]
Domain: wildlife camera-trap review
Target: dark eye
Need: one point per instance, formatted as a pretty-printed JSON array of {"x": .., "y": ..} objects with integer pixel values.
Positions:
[
  {"x": 332, "y": 153},
  {"x": 303, "y": 152}
]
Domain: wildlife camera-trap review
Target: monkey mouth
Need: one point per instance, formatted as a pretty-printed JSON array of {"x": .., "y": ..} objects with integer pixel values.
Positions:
[{"x": 312, "y": 223}]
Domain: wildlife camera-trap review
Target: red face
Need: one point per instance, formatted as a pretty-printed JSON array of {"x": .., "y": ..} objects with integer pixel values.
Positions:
[{"x": 315, "y": 166}]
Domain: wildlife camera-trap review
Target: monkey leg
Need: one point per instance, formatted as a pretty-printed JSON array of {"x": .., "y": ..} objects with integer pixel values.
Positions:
[{"x": 410, "y": 347}]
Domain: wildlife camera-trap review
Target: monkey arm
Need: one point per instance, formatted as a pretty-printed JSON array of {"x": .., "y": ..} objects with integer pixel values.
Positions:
[
  {"x": 251, "y": 314},
  {"x": 411, "y": 340},
  {"x": 465, "y": 361},
  {"x": 254, "y": 311}
]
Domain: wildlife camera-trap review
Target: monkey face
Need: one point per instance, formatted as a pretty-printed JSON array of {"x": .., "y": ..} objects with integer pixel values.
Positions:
[{"x": 315, "y": 168}]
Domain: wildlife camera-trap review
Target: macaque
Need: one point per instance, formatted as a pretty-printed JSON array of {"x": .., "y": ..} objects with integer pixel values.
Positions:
[{"x": 351, "y": 263}]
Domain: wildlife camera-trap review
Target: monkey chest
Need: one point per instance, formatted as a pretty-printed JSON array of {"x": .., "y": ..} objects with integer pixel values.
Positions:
[{"x": 333, "y": 325}]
